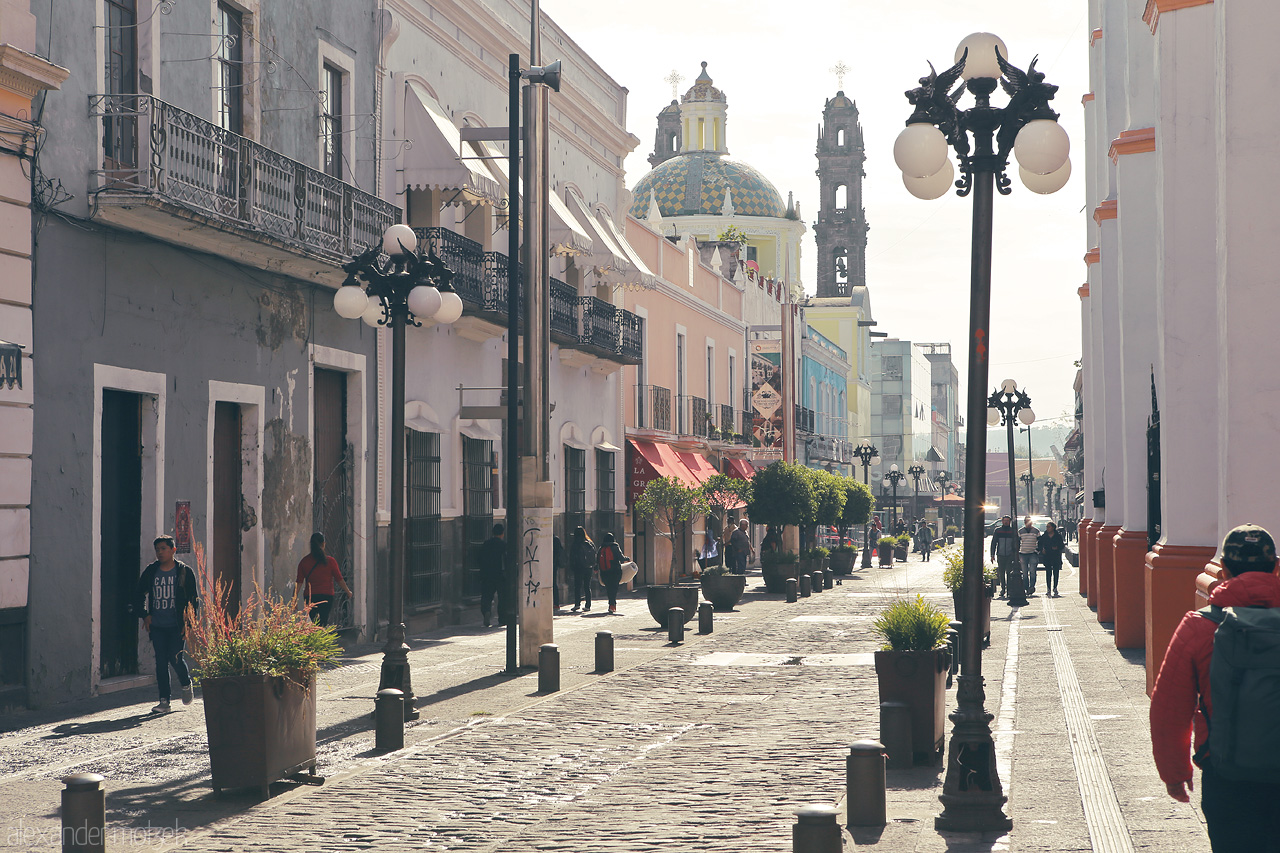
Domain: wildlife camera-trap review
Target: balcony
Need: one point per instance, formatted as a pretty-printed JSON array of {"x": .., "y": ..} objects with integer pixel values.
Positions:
[
  {"x": 164, "y": 170},
  {"x": 653, "y": 407},
  {"x": 804, "y": 419}
]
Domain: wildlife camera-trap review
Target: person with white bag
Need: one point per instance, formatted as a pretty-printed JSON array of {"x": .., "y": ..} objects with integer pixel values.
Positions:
[{"x": 609, "y": 561}]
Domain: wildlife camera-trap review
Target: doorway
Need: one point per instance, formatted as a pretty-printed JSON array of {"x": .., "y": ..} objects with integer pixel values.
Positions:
[
  {"x": 121, "y": 536},
  {"x": 333, "y": 507},
  {"x": 228, "y": 488}
]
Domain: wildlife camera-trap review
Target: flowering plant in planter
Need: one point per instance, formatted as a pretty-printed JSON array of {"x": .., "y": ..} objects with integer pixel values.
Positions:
[{"x": 911, "y": 626}]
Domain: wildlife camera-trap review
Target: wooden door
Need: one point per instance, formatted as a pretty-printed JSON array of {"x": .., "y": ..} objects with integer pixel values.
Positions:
[
  {"x": 228, "y": 467},
  {"x": 121, "y": 532}
]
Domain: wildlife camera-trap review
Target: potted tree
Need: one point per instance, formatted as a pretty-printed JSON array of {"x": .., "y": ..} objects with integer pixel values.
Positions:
[
  {"x": 257, "y": 668},
  {"x": 911, "y": 668},
  {"x": 842, "y": 557},
  {"x": 953, "y": 577},
  {"x": 902, "y": 543},
  {"x": 722, "y": 493},
  {"x": 828, "y": 504},
  {"x": 781, "y": 496},
  {"x": 820, "y": 558},
  {"x": 858, "y": 504},
  {"x": 884, "y": 547},
  {"x": 674, "y": 504}
]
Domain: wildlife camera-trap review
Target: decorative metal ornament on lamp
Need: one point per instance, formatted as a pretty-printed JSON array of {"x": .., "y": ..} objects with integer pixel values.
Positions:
[
  {"x": 972, "y": 796},
  {"x": 867, "y": 454},
  {"x": 405, "y": 289},
  {"x": 916, "y": 471},
  {"x": 1029, "y": 480},
  {"x": 1007, "y": 405},
  {"x": 894, "y": 477}
]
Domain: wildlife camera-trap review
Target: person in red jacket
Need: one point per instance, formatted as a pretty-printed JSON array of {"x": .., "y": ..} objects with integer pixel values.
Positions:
[
  {"x": 317, "y": 574},
  {"x": 1241, "y": 816}
]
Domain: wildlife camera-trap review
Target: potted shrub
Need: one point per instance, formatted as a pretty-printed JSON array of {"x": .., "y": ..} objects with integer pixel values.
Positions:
[
  {"x": 858, "y": 503},
  {"x": 722, "y": 588},
  {"x": 777, "y": 566},
  {"x": 952, "y": 532},
  {"x": 842, "y": 557},
  {"x": 912, "y": 668},
  {"x": 781, "y": 495},
  {"x": 674, "y": 504},
  {"x": 820, "y": 558},
  {"x": 257, "y": 669},
  {"x": 884, "y": 547},
  {"x": 901, "y": 544},
  {"x": 722, "y": 493},
  {"x": 953, "y": 577}
]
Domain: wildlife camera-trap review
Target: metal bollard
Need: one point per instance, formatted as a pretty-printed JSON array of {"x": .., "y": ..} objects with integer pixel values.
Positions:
[
  {"x": 895, "y": 733},
  {"x": 604, "y": 651},
  {"x": 953, "y": 647},
  {"x": 816, "y": 581},
  {"x": 706, "y": 613},
  {"x": 865, "y": 784},
  {"x": 84, "y": 814},
  {"x": 816, "y": 830},
  {"x": 806, "y": 586},
  {"x": 793, "y": 586},
  {"x": 959, "y": 649},
  {"x": 828, "y": 579},
  {"x": 388, "y": 720},
  {"x": 548, "y": 668},
  {"x": 675, "y": 625}
]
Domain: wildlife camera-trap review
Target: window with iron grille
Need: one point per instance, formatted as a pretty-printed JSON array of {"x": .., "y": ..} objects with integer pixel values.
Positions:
[
  {"x": 604, "y": 490},
  {"x": 230, "y": 59},
  {"x": 422, "y": 528},
  {"x": 575, "y": 487},
  {"x": 477, "y": 507},
  {"x": 331, "y": 120}
]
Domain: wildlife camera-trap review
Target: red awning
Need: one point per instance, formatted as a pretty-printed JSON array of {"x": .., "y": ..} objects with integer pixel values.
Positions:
[
  {"x": 648, "y": 460},
  {"x": 951, "y": 499},
  {"x": 697, "y": 464},
  {"x": 740, "y": 468}
]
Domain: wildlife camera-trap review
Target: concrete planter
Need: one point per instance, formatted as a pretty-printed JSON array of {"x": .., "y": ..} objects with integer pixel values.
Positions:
[
  {"x": 723, "y": 591},
  {"x": 985, "y": 604},
  {"x": 918, "y": 679},
  {"x": 900, "y": 553},
  {"x": 662, "y": 598},
  {"x": 261, "y": 729},
  {"x": 775, "y": 576},
  {"x": 842, "y": 561}
]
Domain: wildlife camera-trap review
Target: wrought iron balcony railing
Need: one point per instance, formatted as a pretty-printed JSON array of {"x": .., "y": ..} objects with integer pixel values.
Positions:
[
  {"x": 464, "y": 256},
  {"x": 700, "y": 416},
  {"x": 804, "y": 419},
  {"x": 653, "y": 407},
  {"x": 599, "y": 324},
  {"x": 630, "y": 337},
  {"x": 496, "y": 278},
  {"x": 727, "y": 419},
  {"x": 564, "y": 312},
  {"x": 154, "y": 150}
]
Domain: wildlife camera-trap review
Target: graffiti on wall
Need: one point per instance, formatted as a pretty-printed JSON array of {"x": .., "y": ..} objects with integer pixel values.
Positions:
[{"x": 529, "y": 562}]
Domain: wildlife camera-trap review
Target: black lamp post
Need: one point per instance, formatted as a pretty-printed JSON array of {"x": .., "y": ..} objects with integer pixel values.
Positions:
[
  {"x": 972, "y": 796},
  {"x": 1006, "y": 405},
  {"x": 405, "y": 289},
  {"x": 916, "y": 471},
  {"x": 1049, "y": 507},
  {"x": 942, "y": 478},
  {"x": 894, "y": 477},
  {"x": 1029, "y": 480},
  {"x": 868, "y": 455}
]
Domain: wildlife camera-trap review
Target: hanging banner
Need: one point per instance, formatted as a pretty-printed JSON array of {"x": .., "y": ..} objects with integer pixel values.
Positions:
[{"x": 766, "y": 393}]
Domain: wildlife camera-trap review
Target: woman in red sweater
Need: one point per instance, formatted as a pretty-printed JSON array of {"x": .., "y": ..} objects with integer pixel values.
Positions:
[{"x": 318, "y": 572}]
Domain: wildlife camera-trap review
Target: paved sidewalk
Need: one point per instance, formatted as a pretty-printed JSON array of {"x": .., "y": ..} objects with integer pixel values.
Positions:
[{"x": 710, "y": 745}]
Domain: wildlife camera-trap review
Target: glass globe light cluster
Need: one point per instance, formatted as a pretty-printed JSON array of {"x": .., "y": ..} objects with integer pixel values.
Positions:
[{"x": 428, "y": 304}]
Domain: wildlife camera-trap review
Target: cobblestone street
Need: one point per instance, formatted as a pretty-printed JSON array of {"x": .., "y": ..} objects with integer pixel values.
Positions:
[{"x": 710, "y": 745}]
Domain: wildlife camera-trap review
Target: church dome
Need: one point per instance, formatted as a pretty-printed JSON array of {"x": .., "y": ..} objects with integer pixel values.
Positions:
[
  {"x": 703, "y": 89},
  {"x": 840, "y": 101},
  {"x": 695, "y": 183}
]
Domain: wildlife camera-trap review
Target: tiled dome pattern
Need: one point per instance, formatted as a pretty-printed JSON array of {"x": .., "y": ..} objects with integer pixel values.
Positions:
[{"x": 694, "y": 183}]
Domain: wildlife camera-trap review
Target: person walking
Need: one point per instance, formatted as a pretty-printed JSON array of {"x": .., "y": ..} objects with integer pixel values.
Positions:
[
  {"x": 1004, "y": 550},
  {"x": 1029, "y": 553},
  {"x": 1240, "y": 815},
  {"x": 925, "y": 538},
  {"x": 166, "y": 589},
  {"x": 1052, "y": 548},
  {"x": 318, "y": 573},
  {"x": 610, "y": 560},
  {"x": 582, "y": 561},
  {"x": 740, "y": 548},
  {"x": 493, "y": 560}
]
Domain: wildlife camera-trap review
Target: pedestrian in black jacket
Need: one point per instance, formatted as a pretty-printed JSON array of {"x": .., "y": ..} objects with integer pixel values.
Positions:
[
  {"x": 165, "y": 590},
  {"x": 1051, "y": 549},
  {"x": 1004, "y": 550},
  {"x": 493, "y": 559},
  {"x": 582, "y": 562}
]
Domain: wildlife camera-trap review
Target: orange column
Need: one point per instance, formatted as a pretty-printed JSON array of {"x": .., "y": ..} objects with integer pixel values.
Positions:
[
  {"x": 1106, "y": 573},
  {"x": 1130, "y": 589},
  {"x": 1171, "y": 579}
]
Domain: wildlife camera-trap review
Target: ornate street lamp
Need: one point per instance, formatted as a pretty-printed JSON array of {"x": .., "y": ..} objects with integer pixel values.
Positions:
[
  {"x": 942, "y": 478},
  {"x": 1049, "y": 504},
  {"x": 405, "y": 289},
  {"x": 1005, "y": 406},
  {"x": 894, "y": 477},
  {"x": 916, "y": 471},
  {"x": 868, "y": 455},
  {"x": 1029, "y": 480},
  {"x": 972, "y": 796}
]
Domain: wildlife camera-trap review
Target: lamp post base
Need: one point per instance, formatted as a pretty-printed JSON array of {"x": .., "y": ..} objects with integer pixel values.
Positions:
[
  {"x": 395, "y": 671},
  {"x": 972, "y": 797}
]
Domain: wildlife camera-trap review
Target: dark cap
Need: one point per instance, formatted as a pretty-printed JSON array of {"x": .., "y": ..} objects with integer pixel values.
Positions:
[{"x": 1249, "y": 545}]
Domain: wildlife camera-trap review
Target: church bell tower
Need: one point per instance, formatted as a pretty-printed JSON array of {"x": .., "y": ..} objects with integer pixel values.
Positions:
[{"x": 841, "y": 229}]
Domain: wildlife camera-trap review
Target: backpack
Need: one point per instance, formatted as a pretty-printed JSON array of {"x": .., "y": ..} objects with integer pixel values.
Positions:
[
  {"x": 607, "y": 559},
  {"x": 1244, "y": 683}
]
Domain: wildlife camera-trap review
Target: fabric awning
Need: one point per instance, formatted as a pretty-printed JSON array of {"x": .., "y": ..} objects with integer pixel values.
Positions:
[
  {"x": 607, "y": 257},
  {"x": 433, "y": 161},
  {"x": 568, "y": 237},
  {"x": 949, "y": 499},
  {"x": 642, "y": 277},
  {"x": 740, "y": 468},
  {"x": 697, "y": 464},
  {"x": 648, "y": 460}
]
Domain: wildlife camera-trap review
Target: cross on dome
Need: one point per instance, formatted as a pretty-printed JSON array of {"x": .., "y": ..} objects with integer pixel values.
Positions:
[{"x": 840, "y": 69}]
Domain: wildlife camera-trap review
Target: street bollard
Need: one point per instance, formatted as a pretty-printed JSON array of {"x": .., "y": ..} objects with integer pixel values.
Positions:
[
  {"x": 675, "y": 625},
  {"x": 806, "y": 586},
  {"x": 84, "y": 814},
  {"x": 828, "y": 579},
  {"x": 958, "y": 651},
  {"x": 388, "y": 720},
  {"x": 895, "y": 733},
  {"x": 793, "y": 586},
  {"x": 816, "y": 830},
  {"x": 548, "y": 668},
  {"x": 604, "y": 651},
  {"x": 706, "y": 611},
  {"x": 953, "y": 647},
  {"x": 865, "y": 784},
  {"x": 816, "y": 581}
]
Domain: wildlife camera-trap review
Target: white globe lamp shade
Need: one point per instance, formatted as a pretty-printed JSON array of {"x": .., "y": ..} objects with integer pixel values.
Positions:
[
  {"x": 920, "y": 150},
  {"x": 1042, "y": 146},
  {"x": 875, "y": 460},
  {"x": 893, "y": 467},
  {"x": 1027, "y": 417},
  {"x": 424, "y": 301},
  {"x": 350, "y": 302},
  {"x": 374, "y": 314},
  {"x": 866, "y": 442},
  {"x": 399, "y": 239},
  {"x": 450, "y": 307},
  {"x": 982, "y": 49},
  {"x": 1009, "y": 385},
  {"x": 993, "y": 417},
  {"x": 934, "y": 186},
  {"x": 1046, "y": 184}
]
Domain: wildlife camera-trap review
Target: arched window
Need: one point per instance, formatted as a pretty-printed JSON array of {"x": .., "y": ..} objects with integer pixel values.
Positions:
[
  {"x": 840, "y": 137},
  {"x": 842, "y": 196},
  {"x": 842, "y": 267}
]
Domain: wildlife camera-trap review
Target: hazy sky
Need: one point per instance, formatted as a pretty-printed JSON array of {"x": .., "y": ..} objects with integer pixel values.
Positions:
[{"x": 773, "y": 61}]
